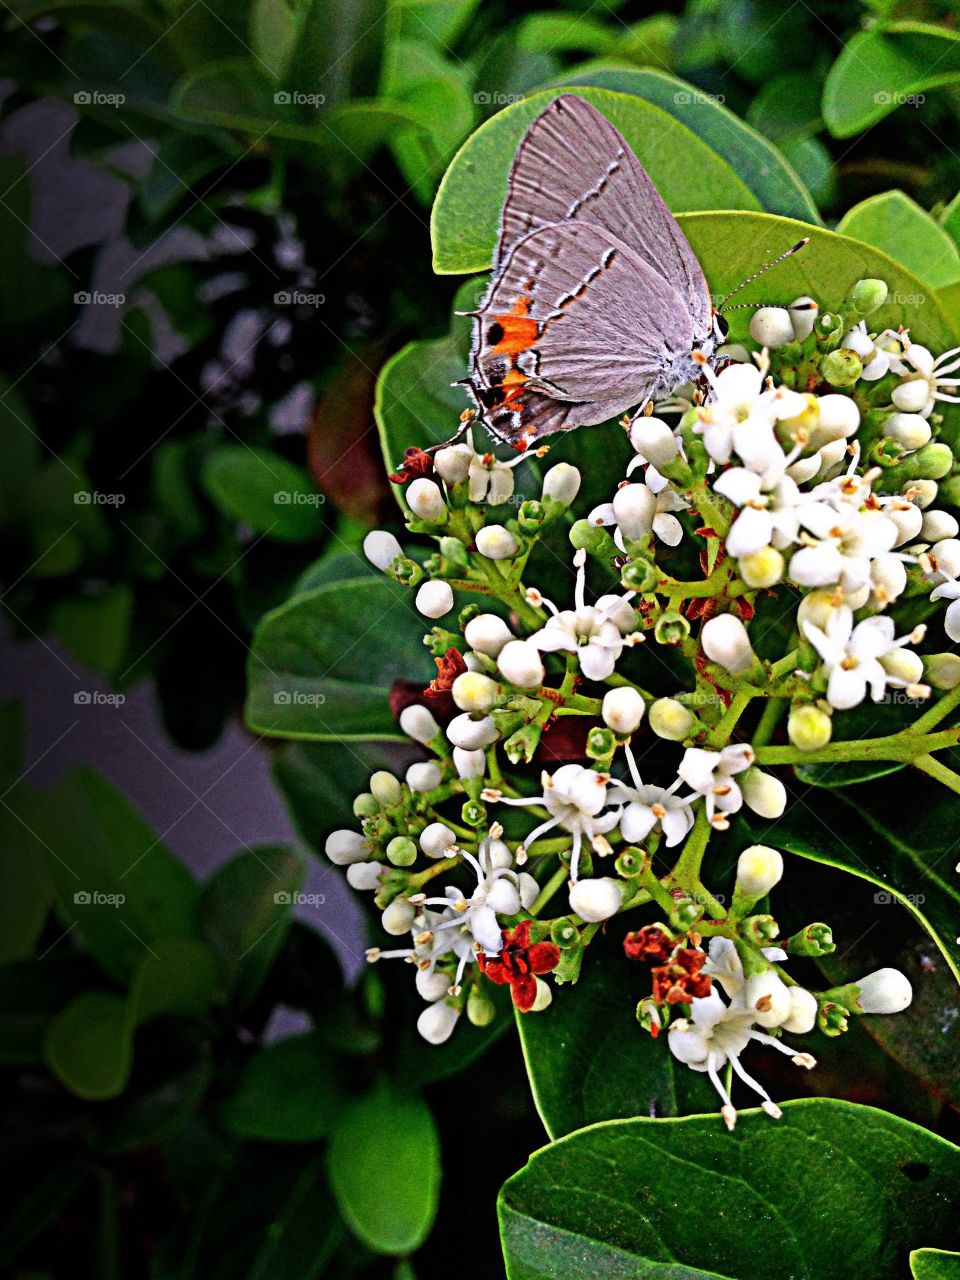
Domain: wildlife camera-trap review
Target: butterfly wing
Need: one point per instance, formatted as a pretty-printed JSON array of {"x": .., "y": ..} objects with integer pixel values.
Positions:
[
  {"x": 573, "y": 165},
  {"x": 574, "y": 329}
]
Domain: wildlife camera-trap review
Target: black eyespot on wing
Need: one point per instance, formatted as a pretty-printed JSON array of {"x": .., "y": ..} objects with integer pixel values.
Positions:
[{"x": 495, "y": 333}]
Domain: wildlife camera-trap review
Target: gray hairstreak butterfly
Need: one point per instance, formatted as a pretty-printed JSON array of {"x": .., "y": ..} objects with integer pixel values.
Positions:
[{"x": 597, "y": 303}]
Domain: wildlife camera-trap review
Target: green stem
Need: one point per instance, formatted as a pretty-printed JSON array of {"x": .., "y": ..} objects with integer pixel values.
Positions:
[
  {"x": 937, "y": 712},
  {"x": 719, "y": 736},
  {"x": 768, "y": 722},
  {"x": 687, "y": 870},
  {"x": 937, "y": 770},
  {"x": 906, "y": 746},
  {"x": 556, "y": 881}
]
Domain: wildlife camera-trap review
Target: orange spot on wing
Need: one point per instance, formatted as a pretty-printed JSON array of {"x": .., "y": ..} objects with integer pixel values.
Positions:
[{"x": 520, "y": 332}]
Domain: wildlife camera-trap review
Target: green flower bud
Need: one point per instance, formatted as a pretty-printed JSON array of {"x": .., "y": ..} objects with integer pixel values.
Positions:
[
  {"x": 639, "y": 574},
  {"x": 932, "y": 462},
  {"x": 828, "y": 326},
  {"x": 942, "y": 670},
  {"x": 406, "y": 571},
  {"x": 631, "y": 863},
  {"x": 760, "y": 930},
  {"x": 672, "y": 628},
  {"x": 531, "y": 516},
  {"x": 401, "y": 851},
  {"x": 649, "y": 1016},
  {"x": 670, "y": 719},
  {"x": 686, "y": 914},
  {"x": 474, "y": 813},
  {"x": 480, "y": 1008},
  {"x": 365, "y": 805},
  {"x": 815, "y": 940},
  {"x": 841, "y": 368},
  {"x": 385, "y": 787},
  {"x": 600, "y": 744},
  {"x": 868, "y": 295},
  {"x": 832, "y": 1018},
  {"x": 809, "y": 728},
  {"x": 565, "y": 934},
  {"x": 521, "y": 745},
  {"x": 593, "y": 539}
]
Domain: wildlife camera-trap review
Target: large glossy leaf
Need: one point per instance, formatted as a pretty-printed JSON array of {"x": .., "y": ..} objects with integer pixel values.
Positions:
[
  {"x": 684, "y": 1199},
  {"x": 288, "y": 1092},
  {"x": 687, "y": 173},
  {"x": 587, "y": 1057},
  {"x": 258, "y": 488},
  {"x": 89, "y": 1045},
  {"x": 384, "y": 1167},
  {"x": 776, "y": 186},
  {"x": 884, "y": 68},
  {"x": 322, "y": 665},
  {"x": 934, "y": 1264},
  {"x": 896, "y": 224}
]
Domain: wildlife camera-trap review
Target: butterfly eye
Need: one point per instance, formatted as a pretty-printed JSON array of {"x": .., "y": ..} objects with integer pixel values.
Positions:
[{"x": 722, "y": 326}]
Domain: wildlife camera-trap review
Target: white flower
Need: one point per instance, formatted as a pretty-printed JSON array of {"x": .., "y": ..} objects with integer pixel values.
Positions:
[
  {"x": 622, "y": 709},
  {"x": 840, "y": 545},
  {"x": 851, "y": 656},
  {"x": 885, "y": 991},
  {"x": 344, "y": 847},
  {"x": 724, "y": 640},
  {"x": 474, "y": 691},
  {"x": 924, "y": 378},
  {"x": 381, "y": 548},
  {"x": 519, "y": 662},
  {"x": 740, "y": 416},
  {"x": 648, "y": 807},
  {"x": 418, "y": 723},
  {"x": 496, "y": 542},
  {"x": 911, "y": 430},
  {"x": 759, "y": 868},
  {"x": 654, "y": 442},
  {"x": 491, "y": 478},
  {"x": 711, "y": 774},
  {"x": 423, "y": 776},
  {"x": 874, "y": 352},
  {"x": 470, "y": 734},
  {"x": 574, "y": 797},
  {"x": 768, "y": 515},
  {"x": 771, "y": 327},
  {"x": 425, "y": 500},
  {"x": 500, "y": 891},
  {"x": 434, "y": 599},
  {"x": 487, "y": 634},
  {"x": 596, "y": 899},
  {"x": 637, "y": 510},
  {"x": 561, "y": 483},
  {"x": 469, "y": 764},
  {"x": 436, "y": 839},
  {"x": 587, "y": 630},
  {"x": 950, "y": 590},
  {"x": 437, "y": 1022}
]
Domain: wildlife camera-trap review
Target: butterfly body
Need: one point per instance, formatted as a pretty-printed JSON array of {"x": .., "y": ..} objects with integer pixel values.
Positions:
[{"x": 597, "y": 303}]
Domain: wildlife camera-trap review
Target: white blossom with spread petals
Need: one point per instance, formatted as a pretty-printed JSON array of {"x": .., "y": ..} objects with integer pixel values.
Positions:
[
  {"x": 950, "y": 590},
  {"x": 647, "y": 807},
  {"x": 711, "y": 774},
  {"x": 926, "y": 379},
  {"x": 851, "y": 656},
  {"x": 589, "y": 631},
  {"x": 639, "y": 509}
]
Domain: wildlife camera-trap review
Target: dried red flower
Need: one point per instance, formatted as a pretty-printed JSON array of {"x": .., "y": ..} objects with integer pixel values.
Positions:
[
  {"x": 416, "y": 462},
  {"x": 681, "y": 981},
  {"x": 649, "y": 943},
  {"x": 449, "y": 666},
  {"x": 519, "y": 962}
]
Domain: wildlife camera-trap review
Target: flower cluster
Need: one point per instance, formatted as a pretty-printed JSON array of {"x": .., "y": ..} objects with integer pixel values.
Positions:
[{"x": 809, "y": 472}]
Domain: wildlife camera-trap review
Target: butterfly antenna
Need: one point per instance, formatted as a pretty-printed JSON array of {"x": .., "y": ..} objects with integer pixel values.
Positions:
[{"x": 766, "y": 267}]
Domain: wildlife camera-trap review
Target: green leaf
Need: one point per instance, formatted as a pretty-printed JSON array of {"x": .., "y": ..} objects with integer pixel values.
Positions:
[
  {"x": 881, "y": 69},
  {"x": 688, "y": 173},
  {"x": 273, "y": 33},
  {"x": 787, "y": 107},
  {"x": 244, "y": 914},
  {"x": 323, "y": 665},
  {"x": 776, "y": 186},
  {"x": 21, "y": 451},
  {"x": 89, "y": 1046},
  {"x": 303, "y": 1235},
  {"x": 439, "y": 21},
  {"x": 260, "y": 489},
  {"x": 669, "y": 1199},
  {"x": 588, "y": 1058},
  {"x": 814, "y": 166},
  {"x": 31, "y": 993},
  {"x": 26, "y": 889},
  {"x": 319, "y": 781},
  {"x": 934, "y": 1264},
  {"x": 287, "y": 1092},
  {"x": 115, "y": 881},
  {"x": 178, "y": 975},
  {"x": 339, "y": 49},
  {"x": 95, "y": 629},
  {"x": 897, "y": 225},
  {"x": 384, "y": 1168},
  {"x": 905, "y": 851}
]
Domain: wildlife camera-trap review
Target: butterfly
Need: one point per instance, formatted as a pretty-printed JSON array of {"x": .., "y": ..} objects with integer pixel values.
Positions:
[{"x": 597, "y": 304}]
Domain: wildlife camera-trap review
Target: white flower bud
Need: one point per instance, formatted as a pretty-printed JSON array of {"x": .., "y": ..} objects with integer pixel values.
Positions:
[
  {"x": 907, "y": 518},
  {"x": 816, "y": 607},
  {"x": 463, "y": 731},
  {"x": 911, "y": 396},
  {"x": 634, "y": 506},
  {"x": 520, "y": 664},
  {"x": 803, "y": 314},
  {"x": 544, "y": 997},
  {"x": 725, "y": 641},
  {"x": 417, "y": 723},
  {"x": 474, "y": 692},
  {"x": 434, "y": 599},
  {"x": 385, "y": 788},
  {"x": 620, "y": 612},
  {"x": 487, "y": 634},
  {"x": 398, "y": 918},
  {"x": 763, "y": 568},
  {"x": 942, "y": 670},
  {"x": 596, "y": 900},
  {"x": 771, "y": 327},
  {"x": 436, "y": 839},
  {"x": 921, "y": 493},
  {"x": 381, "y": 548},
  {"x": 653, "y": 440},
  {"x": 885, "y": 991},
  {"x": 622, "y": 710},
  {"x": 759, "y": 868},
  {"x": 767, "y": 997},
  {"x": 809, "y": 728},
  {"x": 671, "y": 719},
  {"x": 938, "y": 526},
  {"x": 562, "y": 483},
  {"x": 903, "y": 664},
  {"x": 839, "y": 415},
  {"x": 909, "y": 430},
  {"x": 947, "y": 555},
  {"x": 496, "y": 543},
  {"x": 423, "y": 776},
  {"x": 469, "y": 764},
  {"x": 364, "y": 876},
  {"x": 452, "y": 464},
  {"x": 889, "y": 579},
  {"x": 764, "y": 793},
  {"x": 499, "y": 858},
  {"x": 437, "y": 1021},
  {"x": 432, "y": 985},
  {"x": 344, "y": 847},
  {"x": 803, "y": 1012},
  {"x": 425, "y": 499},
  {"x": 473, "y": 662}
]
